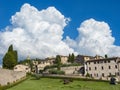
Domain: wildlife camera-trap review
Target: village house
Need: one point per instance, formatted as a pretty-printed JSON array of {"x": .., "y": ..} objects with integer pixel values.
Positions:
[
  {"x": 83, "y": 58},
  {"x": 21, "y": 67},
  {"x": 103, "y": 67},
  {"x": 43, "y": 63},
  {"x": 64, "y": 59}
]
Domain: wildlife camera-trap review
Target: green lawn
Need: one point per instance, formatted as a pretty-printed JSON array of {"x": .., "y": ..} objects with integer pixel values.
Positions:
[{"x": 57, "y": 84}]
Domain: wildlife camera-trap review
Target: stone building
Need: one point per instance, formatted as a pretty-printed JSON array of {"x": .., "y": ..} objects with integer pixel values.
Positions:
[
  {"x": 21, "y": 67},
  {"x": 64, "y": 59},
  {"x": 83, "y": 58},
  {"x": 106, "y": 67}
]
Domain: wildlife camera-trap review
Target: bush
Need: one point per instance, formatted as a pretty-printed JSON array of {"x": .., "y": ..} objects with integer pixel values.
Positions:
[
  {"x": 87, "y": 75},
  {"x": 49, "y": 67},
  {"x": 72, "y": 64},
  {"x": 36, "y": 76},
  {"x": 53, "y": 71}
]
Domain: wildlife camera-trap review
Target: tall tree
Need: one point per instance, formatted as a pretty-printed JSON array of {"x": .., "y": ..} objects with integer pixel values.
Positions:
[
  {"x": 106, "y": 56},
  {"x": 10, "y": 48},
  {"x": 10, "y": 59},
  {"x": 58, "y": 61},
  {"x": 71, "y": 58}
]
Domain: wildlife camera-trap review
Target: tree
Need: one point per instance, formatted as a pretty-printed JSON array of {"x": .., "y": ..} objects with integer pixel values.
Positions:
[
  {"x": 10, "y": 48},
  {"x": 10, "y": 58},
  {"x": 71, "y": 58},
  {"x": 106, "y": 56},
  {"x": 58, "y": 61}
]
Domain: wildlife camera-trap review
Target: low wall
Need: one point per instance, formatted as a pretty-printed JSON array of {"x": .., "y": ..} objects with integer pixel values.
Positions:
[
  {"x": 10, "y": 76},
  {"x": 71, "y": 69}
]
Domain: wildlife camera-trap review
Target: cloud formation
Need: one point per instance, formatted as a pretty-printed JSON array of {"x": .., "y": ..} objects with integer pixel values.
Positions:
[
  {"x": 36, "y": 33},
  {"x": 95, "y": 37},
  {"x": 39, "y": 34}
]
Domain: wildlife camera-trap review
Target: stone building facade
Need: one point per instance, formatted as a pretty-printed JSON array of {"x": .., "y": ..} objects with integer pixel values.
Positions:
[
  {"x": 106, "y": 67},
  {"x": 21, "y": 67}
]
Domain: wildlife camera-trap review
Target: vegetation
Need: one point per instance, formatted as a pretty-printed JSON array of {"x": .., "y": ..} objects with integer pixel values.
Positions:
[
  {"x": 50, "y": 67},
  {"x": 53, "y": 71},
  {"x": 58, "y": 84},
  {"x": 10, "y": 59},
  {"x": 87, "y": 75},
  {"x": 72, "y": 64},
  {"x": 58, "y": 61},
  {"x": 106, "y": 56},
  {"x": 71, "y": 58}
]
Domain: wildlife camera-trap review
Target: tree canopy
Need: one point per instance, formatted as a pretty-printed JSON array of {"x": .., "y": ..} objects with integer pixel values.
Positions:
[
  {"x": 58, "y": 61},
  {"x": 71, "y": 58},
  {"x": 10, "y": 59}
]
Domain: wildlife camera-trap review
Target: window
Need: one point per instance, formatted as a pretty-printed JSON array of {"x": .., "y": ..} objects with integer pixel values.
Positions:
[
  {"x": 115, "y": 60},
  {"x": 94, "y": 62},
  {"x": 118, "y": 73},
  {"x": 95, "y": 68},
  {"x": 15, "y": 68},
  {"x": 89, "y": 68},
  {"x": 105, "y": 61},
  {"x": 102, "y": 74},
  {"x": 109, "y": 67},
  {"x": 102, "y": 67},
  {"x": 89, "y": 62},
  {"x": 91, "y": 75},
  {"x": 98, "y": 62},
  {"x": 97, "y": 74},
  {"x": 108, "y": 61},
  {"x": 101, "y": 61},
  {"x": 109, "y": 74},
  {"x": 116, "y": 66}
]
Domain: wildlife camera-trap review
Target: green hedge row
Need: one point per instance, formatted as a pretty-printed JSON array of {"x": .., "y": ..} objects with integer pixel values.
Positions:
[
  {"x": 53, "y": 71},
  {"x": 81, "y": 79}
]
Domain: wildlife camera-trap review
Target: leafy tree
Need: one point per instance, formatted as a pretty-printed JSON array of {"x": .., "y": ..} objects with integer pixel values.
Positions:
[{"x": 10, "y": 58}]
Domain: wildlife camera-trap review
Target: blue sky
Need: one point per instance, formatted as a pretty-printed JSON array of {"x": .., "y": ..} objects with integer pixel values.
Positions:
[
  {"x": 77, "y": 10},
  {"x": 101, "y": 16}
]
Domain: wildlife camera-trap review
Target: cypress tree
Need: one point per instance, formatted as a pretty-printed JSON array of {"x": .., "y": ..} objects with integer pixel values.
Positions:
[
  {"x": 10, "y": 59},
  {"x": 58, "y": 61},
  {"x": 71, "y": 58}
]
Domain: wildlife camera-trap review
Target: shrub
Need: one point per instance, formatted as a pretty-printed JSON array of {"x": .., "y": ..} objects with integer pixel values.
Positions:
[
  {"x": 87, "y": 75},
  {"x": 49, "y": 67},
  {"x": 53, "y": 71},
  {"x": 36, "y": 76},
  {"x": 72, "y": 64}
]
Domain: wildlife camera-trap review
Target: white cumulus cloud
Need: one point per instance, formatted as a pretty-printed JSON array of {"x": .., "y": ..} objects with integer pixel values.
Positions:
[
  {"x": 95, "y": 37},
  {"x": 36, "y": 33}
]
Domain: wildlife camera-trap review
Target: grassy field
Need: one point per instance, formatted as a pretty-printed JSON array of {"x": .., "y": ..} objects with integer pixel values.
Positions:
[{"x": 57, "y": 84}]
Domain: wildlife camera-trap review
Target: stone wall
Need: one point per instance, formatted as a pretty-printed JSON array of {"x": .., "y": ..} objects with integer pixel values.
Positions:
[
  {"x": 71, "y": 69},
  {"x": 10, "y": 76}
]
